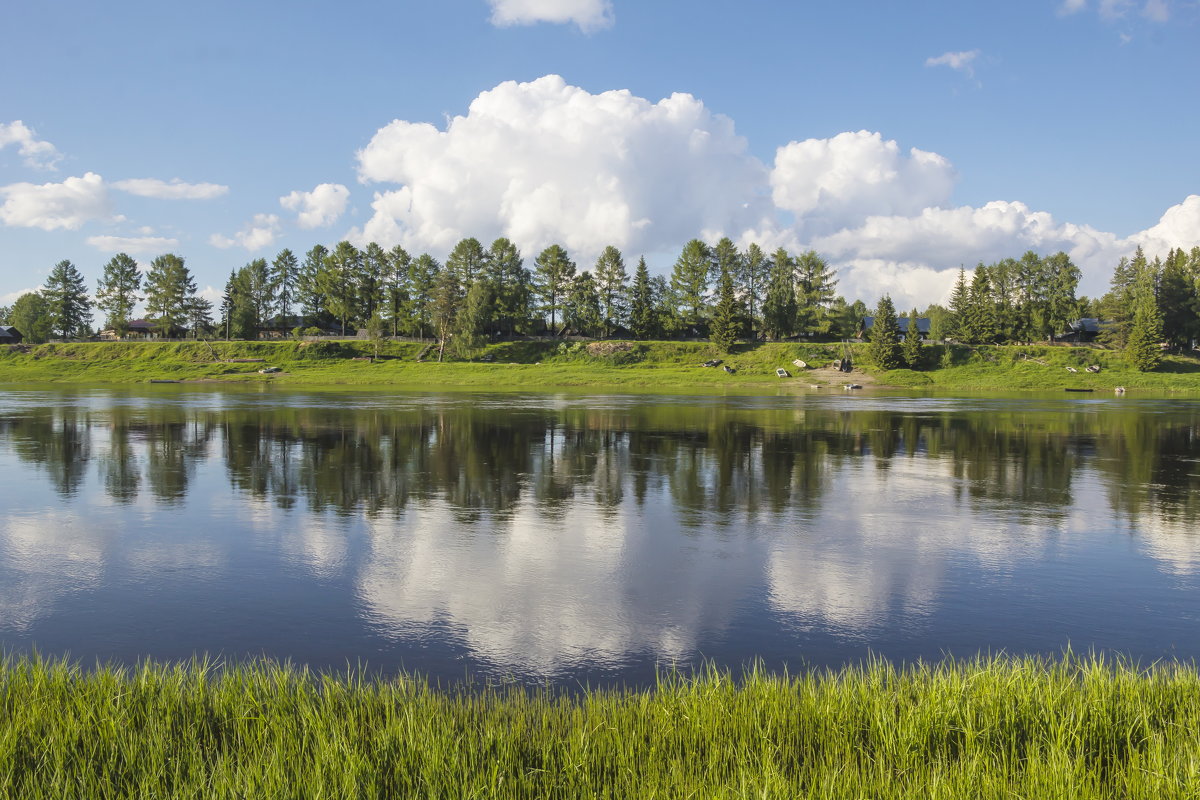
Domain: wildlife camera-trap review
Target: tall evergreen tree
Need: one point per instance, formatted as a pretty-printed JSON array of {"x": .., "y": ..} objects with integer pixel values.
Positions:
[
  {"x": 816, "y": 285},
  {"x": 582, "y": 312},
  {"x": 510, "y": 287},
  {"x": 468, "y": 261},
  {"x": 754, "y": 278},
  {"x": 396, "y": 286},
  {"x": 117, "y": 292},
  {"x": 338, "y": 282},
  {"x": 1062, "y": 280},
  {"x": 884, "y": 349},
  {"x": 689, "y": 282},
  {"x": 260, "y": 293},
  {"x": 423, "y": 274},
  {"x": 371, "y": 285},
  {"x": 1142, "y": 347},
  {"x": 980, "y": 325},
  {"x": 284, "y": 273},
  {"x": 912, "y": 349},
  {"x": 960, "y": 301},
  {"x": 170, "y": 290},
  {"x": 555, "y": 272},
  {"x": 308, "y": 291},
  {"x": 779, "y": 307},
  {"x": 641, "y": 303},
  {"x": 475, "y": 317},
  {"x": 725, "y": 322},
  {"x": 610, "y": 285},
  {"x": 1177, "y": 300},
  {"x": 1118, "y": 304},
  {"x": 67, "y": 300}
]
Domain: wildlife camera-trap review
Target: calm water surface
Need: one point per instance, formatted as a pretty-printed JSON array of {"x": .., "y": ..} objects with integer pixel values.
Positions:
[{"x": 569, "y": 538}]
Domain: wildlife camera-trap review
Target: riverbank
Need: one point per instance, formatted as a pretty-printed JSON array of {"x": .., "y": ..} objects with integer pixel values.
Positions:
[
  {"x": 993, "y": 728},
  {"x": 664, "y": 366}
]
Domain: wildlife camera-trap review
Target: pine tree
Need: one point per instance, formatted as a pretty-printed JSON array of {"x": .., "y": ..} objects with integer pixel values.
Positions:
[
  {"x": 468, "y": 261},
  {"x": 373, "y": 268},
  {"x": 689, "y": 282},
  {"x": 912, "y": 349},
  {"x": 1145, "y": 332},
  {"x": 956, "y": 327},
  {"x": 980, "y": 325},
  {"x": 884, "y": 349},
  {"x": 582, "y": 311},
  {"x": 610, "y": 284},
  {"x": 284, "y": 272},
  {"x": 779, "y": 307},
  {"x": 473, "y": 320},
  {"x": 169, "y": 292},
  {"x": 67, "y": 300},
  {"x": 117, "y": 292},
  {"x": 756, "y": 270},
  {"x": 555, "y": 272},
  {"x": 510, "y": 287},
  {"x": 423, "y": 281},
  {"x": 308, "y": 291},
  {"x": 338, "y": 282},
  {"x": 725, "y": 323},
  {"x": 815, "y": 288},
  {"x": 641, "y": 303},
  {"x": 396, "y": 286}
]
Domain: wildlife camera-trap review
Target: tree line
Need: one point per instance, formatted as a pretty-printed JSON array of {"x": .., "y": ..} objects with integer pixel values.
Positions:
[{"x": 716, "y": 291}]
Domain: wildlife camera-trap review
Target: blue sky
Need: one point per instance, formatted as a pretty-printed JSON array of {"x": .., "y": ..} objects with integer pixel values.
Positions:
[{"x": 228, "y": 131}]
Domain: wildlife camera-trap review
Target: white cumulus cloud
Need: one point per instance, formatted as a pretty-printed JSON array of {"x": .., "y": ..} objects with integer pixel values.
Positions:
[
  {"x": 960, "y": 61},
  {"x": 35, "y": 152},
  {"x": 589, "y": 15},
  {"x": 54, "y": 206},
  {"x": 175, "y": 189},
  {"x": 318, "y": 208},
  {"x": 846, "y": 178},
  {"x": 546, "y": 162},
  {"x": 133, "y": 244},
  {"x": 257, "y": 234}
]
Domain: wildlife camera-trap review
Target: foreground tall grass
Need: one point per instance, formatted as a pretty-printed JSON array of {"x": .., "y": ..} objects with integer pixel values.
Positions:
[{"x": 997, "y": 728}]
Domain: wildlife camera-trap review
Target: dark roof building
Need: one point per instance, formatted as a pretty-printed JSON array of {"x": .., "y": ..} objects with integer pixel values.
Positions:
[
  {"x": 923, "y": 325},
  {"x": 10, "y": 335}
]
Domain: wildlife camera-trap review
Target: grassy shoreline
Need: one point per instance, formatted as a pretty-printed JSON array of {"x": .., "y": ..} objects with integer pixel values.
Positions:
[
  {"x": 638, "y": 366},
  {"x": 1025, "y": 727}
]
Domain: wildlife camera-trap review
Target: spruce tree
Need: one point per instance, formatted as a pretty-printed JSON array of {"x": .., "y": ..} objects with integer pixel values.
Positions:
[
  {"x": 980, "y": 325},
  {"x": 553, "y": 274},
  {"x": 117, "y": 292},
  {"x": 725, "y": 323},
  {"x": 510, "y": 287},
  {"x": 610, "y": 283},
  {"x": 912, "y": 349},
  {"x": 884, "y": 349},
  {"x": 583, "y": 306},
  {"x": 641, "y": 303},
  {"x": 67, "y": 300},
  {"x": 284, "y": 270},
  {"x": 1145, "y": 332},
  {"x": 779, "y": 307},
  {"x": 815, "y": 288},
  {"x": 689, "y": 282},
  {"x": 753, "y": 280},
  {"x": 959, "y": 301},
  {"x": 169, "y": 292}
]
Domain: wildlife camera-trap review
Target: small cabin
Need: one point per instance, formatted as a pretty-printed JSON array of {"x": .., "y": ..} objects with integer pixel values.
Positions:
[
  {"x": 1087, "y": 329},
  {"x": 10, "y": 335},
  {"x": 923, "y": 327}
]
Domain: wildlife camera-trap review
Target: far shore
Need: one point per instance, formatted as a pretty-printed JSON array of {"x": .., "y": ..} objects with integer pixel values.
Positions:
[{"x": 600, "y": 365}]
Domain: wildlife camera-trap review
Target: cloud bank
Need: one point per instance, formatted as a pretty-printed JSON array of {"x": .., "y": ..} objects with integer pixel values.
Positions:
[
  {"x": 546, "y": 162},
  {"x": 260, "y": 232},
  {"x": 589, "y": 15},
  {"x": 55, "y": 206}
]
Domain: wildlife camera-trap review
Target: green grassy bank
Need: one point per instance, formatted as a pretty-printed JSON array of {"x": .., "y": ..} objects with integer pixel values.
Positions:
[
  {"x": 667, "y": 366},
  {"x": 988, "y": 729}
]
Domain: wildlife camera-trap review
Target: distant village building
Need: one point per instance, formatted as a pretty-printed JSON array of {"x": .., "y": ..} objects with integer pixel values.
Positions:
[
  {"x": 923, "y": 327},
  {"x": 142, "y": 329},
  {"x": 1083, "y": 330},
  {"x": 10, "y": 335}
]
